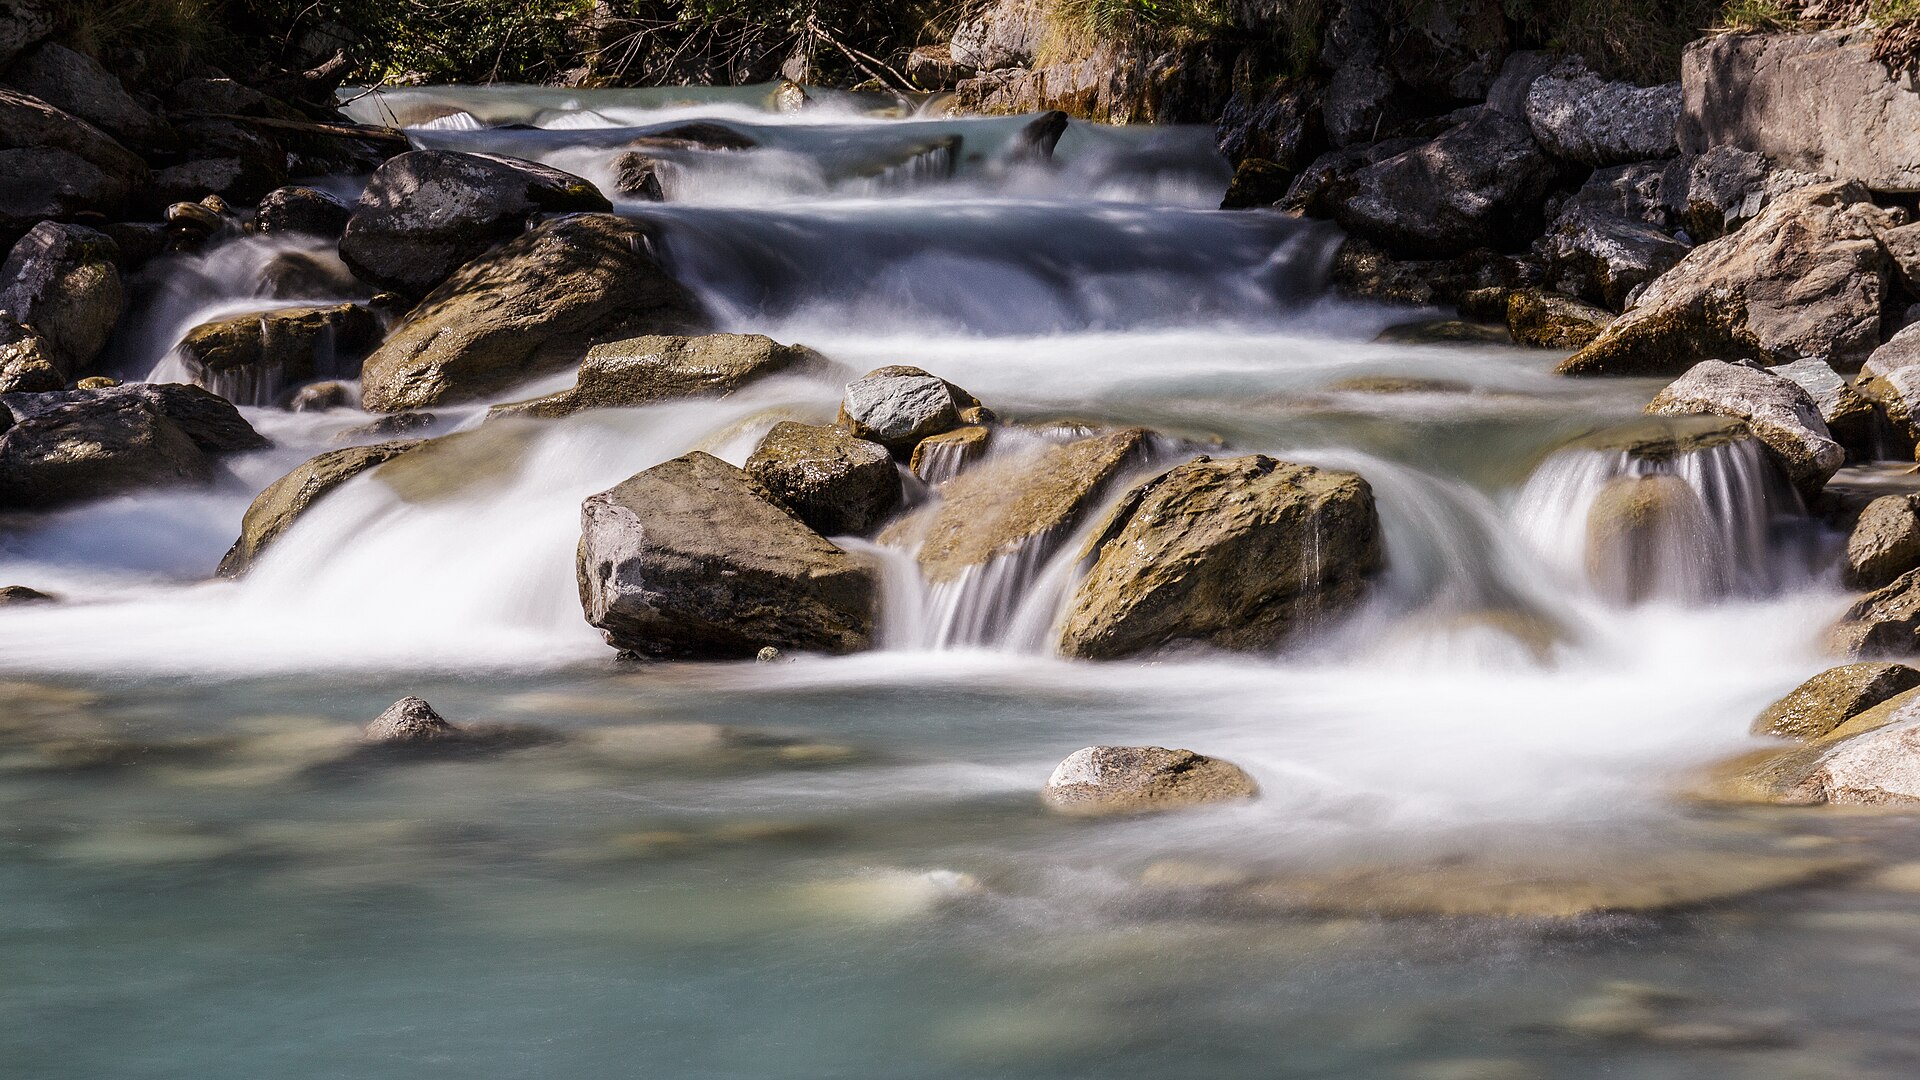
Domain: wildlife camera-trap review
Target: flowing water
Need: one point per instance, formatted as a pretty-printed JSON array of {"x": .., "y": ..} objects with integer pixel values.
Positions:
[{"x": 839, "y": 867}]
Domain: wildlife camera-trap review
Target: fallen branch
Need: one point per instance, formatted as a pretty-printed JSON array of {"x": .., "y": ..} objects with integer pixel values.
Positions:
[{"x": 366, "y": 132}]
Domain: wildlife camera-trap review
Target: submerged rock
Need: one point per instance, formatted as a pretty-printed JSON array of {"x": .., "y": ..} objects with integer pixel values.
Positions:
[
  {"x": 274, "y": 510},
  {"x": 1818, "y": 706},
  {"x": 1778, "y": 412},
  {"x": 691, "y": 559},
  {"x": 529, "y": 307},
  {"x": 425, "y": 212},
  {"x": 898, "y": 406},
  {"x": 1885, "y": 542},
  {"x": 1236, "y": 554},
  {"x": 1806, "y": 279},
  {"x": 638, "y": 371},
  {"x": 13, "y": 595},
  {"x": 1100, "y": 780},
  {"x": 62, "y": 281},
  {"x": 409, "y": 722},
  {"x": 1632, "y": 528},
  {"x": 829, "y": 479}
]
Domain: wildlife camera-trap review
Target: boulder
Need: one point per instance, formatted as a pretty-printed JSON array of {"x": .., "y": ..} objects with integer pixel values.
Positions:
[
  {"x": 1891, "y": 379},
  {"x": 409, "y": 722},
  {"x": 1885, "y": 542},
  {"x": 61, "y": 281},
  {"x": 637, "y": 176},
  {"x": 1639, "y": 530},
  {"x": 1008, "y": 504},
  {"x": 77, "y": 84},
  {"x": 301, "y": 210},
  {"x": 1281, "y": 128},
  {"x": 691, "y": 559},
  {"x": 54, "y": 164},
  {"x": 1849, "y": 415},
  {"x": 1778, "y": 412},
  {"x": 834, "y": 482},
  {"x": 22, "y": 24},
  {"x": 426, "y": 212},
  {"x": 26, "y": 363},
  {"x": 1236, "y": 554},
  {"x": 1818, "y": 706},
  {"x": 1883, "y": 623},
  {"x": 932, "y": 67},
  {"x": 1599, "y": 254},
  {"x": 251, "y": 358},
  {"x": 632, "y": 372},
  {"x": 898, "y": 406},
  {"x": 1551, "y": 321},
  {"x": 1805, "y": 278},
  {"x": 530, "y": 307},
  {"x": 1481, "y": 184},
  {"x": 94, "y": 449},
  {"x": 1578, "y": 117},
  {"x": 1359, "y": 102},
  {"x": 209, "y": 421},
  {"x": 274, "y": 510},
  {"x": 1814, "y": 102},
  {"x": 1103, "y": 780}
]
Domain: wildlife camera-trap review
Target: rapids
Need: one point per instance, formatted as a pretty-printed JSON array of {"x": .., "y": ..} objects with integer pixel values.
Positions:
[{"x": 207, "y": 905}]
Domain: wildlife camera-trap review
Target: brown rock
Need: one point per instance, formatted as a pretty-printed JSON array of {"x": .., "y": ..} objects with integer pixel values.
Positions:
[
  {"x": 834, "y": 482},
  {"x": 1818, "y": 706},
  {"x": 1102, "y": 780},
  {"x": 638, "y": 371}
]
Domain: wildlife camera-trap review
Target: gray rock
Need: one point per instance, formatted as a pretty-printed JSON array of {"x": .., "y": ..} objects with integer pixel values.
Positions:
[
  {"x": 14, "y": 595},
  {"x": 1715, "y": 192},
  {"x": 61, "y": 281},
  {"x": 1005, "y": 35},
  {"x": 1814, "y": 102},
  {"x": 1508, "y": 93},
  {"x": 691, "y": 559},
  {"x": 1891, "y": 379},
  {"x": 637, "y": 176},
  {"x": 897, "y": 406},
  {"x": 275, "y": 510},
  {"x": 1849, "y": 415},
  {"x": 1239, "y": 554},
  {"x": 1885, "y": 542},
  {"x": 1358, "y": 103},
  {"x": 1806, "y": 278},
  {"x": 77, "y": 83},
  {"x": 302, "y": 210},
  {"x": 530, "y": 307},
  {"x": 1579, "y": 117},
  {"x": 1876, "y": 767},
  {"x": 93, "y": 449},
  {"x": 54, "y": 164},
  {"x": 1605, "y": 257},
  {"x": 321, "y": 396},
  {"x": 1280, "y": 127},
  {"x": 1481, "y": 184},
  {"x": 834, "y": 482},
  {"x": 645, "y": 370},
  {"x": 1103, "y": 780},
  {"x": 409, "y": 722},
  {"x": 22, "y": 24},
  {"x": 1883, "y": 623},
  {"x": 1450, "y": 52},
  {"x": 1778, "y": 412},
  {"x": 426, "y": 212}
]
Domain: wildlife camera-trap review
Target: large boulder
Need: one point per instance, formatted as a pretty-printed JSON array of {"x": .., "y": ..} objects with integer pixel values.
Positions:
[
  {"x": 1885, "y": 542},
  {"x": 1103, "y": 780},
  {"x": 834, "y": 482},
  {"x": 1876, "y": 767},
  {"x": 1805, "y": 278},
  {"x": 282, "y": 503},
  {"x": 78, "y": 84},
  {"x": 1823, "y": 703},
  {"x": 426, "y": 212},
  {"x": 251, "y": 358},
  {"x": 1236, "y": 554},
  {"x": 209, "y": 421},
  {"x": 897, "y": 406},
  {"x": 94, "y": 449},
  {"x": 61, "y": 281},
  {"x": 1006, "y": 505},
  {"x": 645, "y": 370},
  {"x": 1577, "y": 116},
  {"x": 1814, "y": 102},
  {"x": 54, "y": 164},
  {"x": 691, "y": 559},
  {"x": 530, "y": 307},
  {"x": 1778, "y": 412},
  {"x": 1480, "y": 184}
]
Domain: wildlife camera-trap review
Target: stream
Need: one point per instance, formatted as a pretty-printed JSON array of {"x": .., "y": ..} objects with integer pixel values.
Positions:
[{"x": 839, "y": 867}]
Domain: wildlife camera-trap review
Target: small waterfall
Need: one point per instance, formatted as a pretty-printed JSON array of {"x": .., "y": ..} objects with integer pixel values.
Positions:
[
  {"x": 978, "y": 607},
  {"x": 931, "y": 165},
  {"x": 1690, "y": 526},
  {"x": 282, "y": 367}
]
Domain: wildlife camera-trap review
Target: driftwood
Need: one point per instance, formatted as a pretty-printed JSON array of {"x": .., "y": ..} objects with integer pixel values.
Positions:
[{"x": 365, "y": 132}]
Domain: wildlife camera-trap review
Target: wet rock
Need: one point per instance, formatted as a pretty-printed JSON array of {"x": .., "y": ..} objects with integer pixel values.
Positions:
[
  {"x": 1008, "y": 504},
  {"x": 77, "y": 84},
  {"x": 388, "y": 427},
  {"x": 645, "y": 370},
  {"x": 1885, "y": 542},
  {"x": 1806, "y": 279},
  {"x": 1777, "y": 411},
  {"x": 1551, "y": 321},
  {"x": 426, "y": 212},
  {"x": 1632, "y": 526},
  {"x": 13, "y": 595},
  {"x": 1891, "y": 379},
  {"x": 93, "y": 449},
  {"x": 1256, "y": 182},
  {"x": 1395, "y": 384},
  {"x": 637, "y": 176},
  {"x": 1237, "y": 554},
  {"x": 321, "y": 396},
  {"x": 1481, "y": 184},
  {"x": 1363, "y": 269},
  {"x": 1885, "y": 622},
  {"x": 1603, "y": 256},
  {"x": 940, "y": 458},
  {"x": 834, "y": 482},
  {"x": 250, "y": 357},
  {"x": 898, "y": 406},
  {"x": 1445, "y": 332},
  {"x": 1850, "y": 417},
  {"x": 1823, "y": 703},
  {"x": 26, "y": 363},
  {"x": 54, "y": 164},
  {"x": 527, "y": 308},
  {"x": 1577, "y": 116},
  {"x": 211, "y": 422},
  {"x": 97, "y": 382},
  {"x": 409, "y": 722},
  {"x": 1816, "y": 102},
  {"x": 275, "y": 510},
  {"x": 301, "y": 211},
  {"x": 691, "y": 559},
  {"x": 61, "y": 281},
  {"x": 1101, "y": 780}
]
